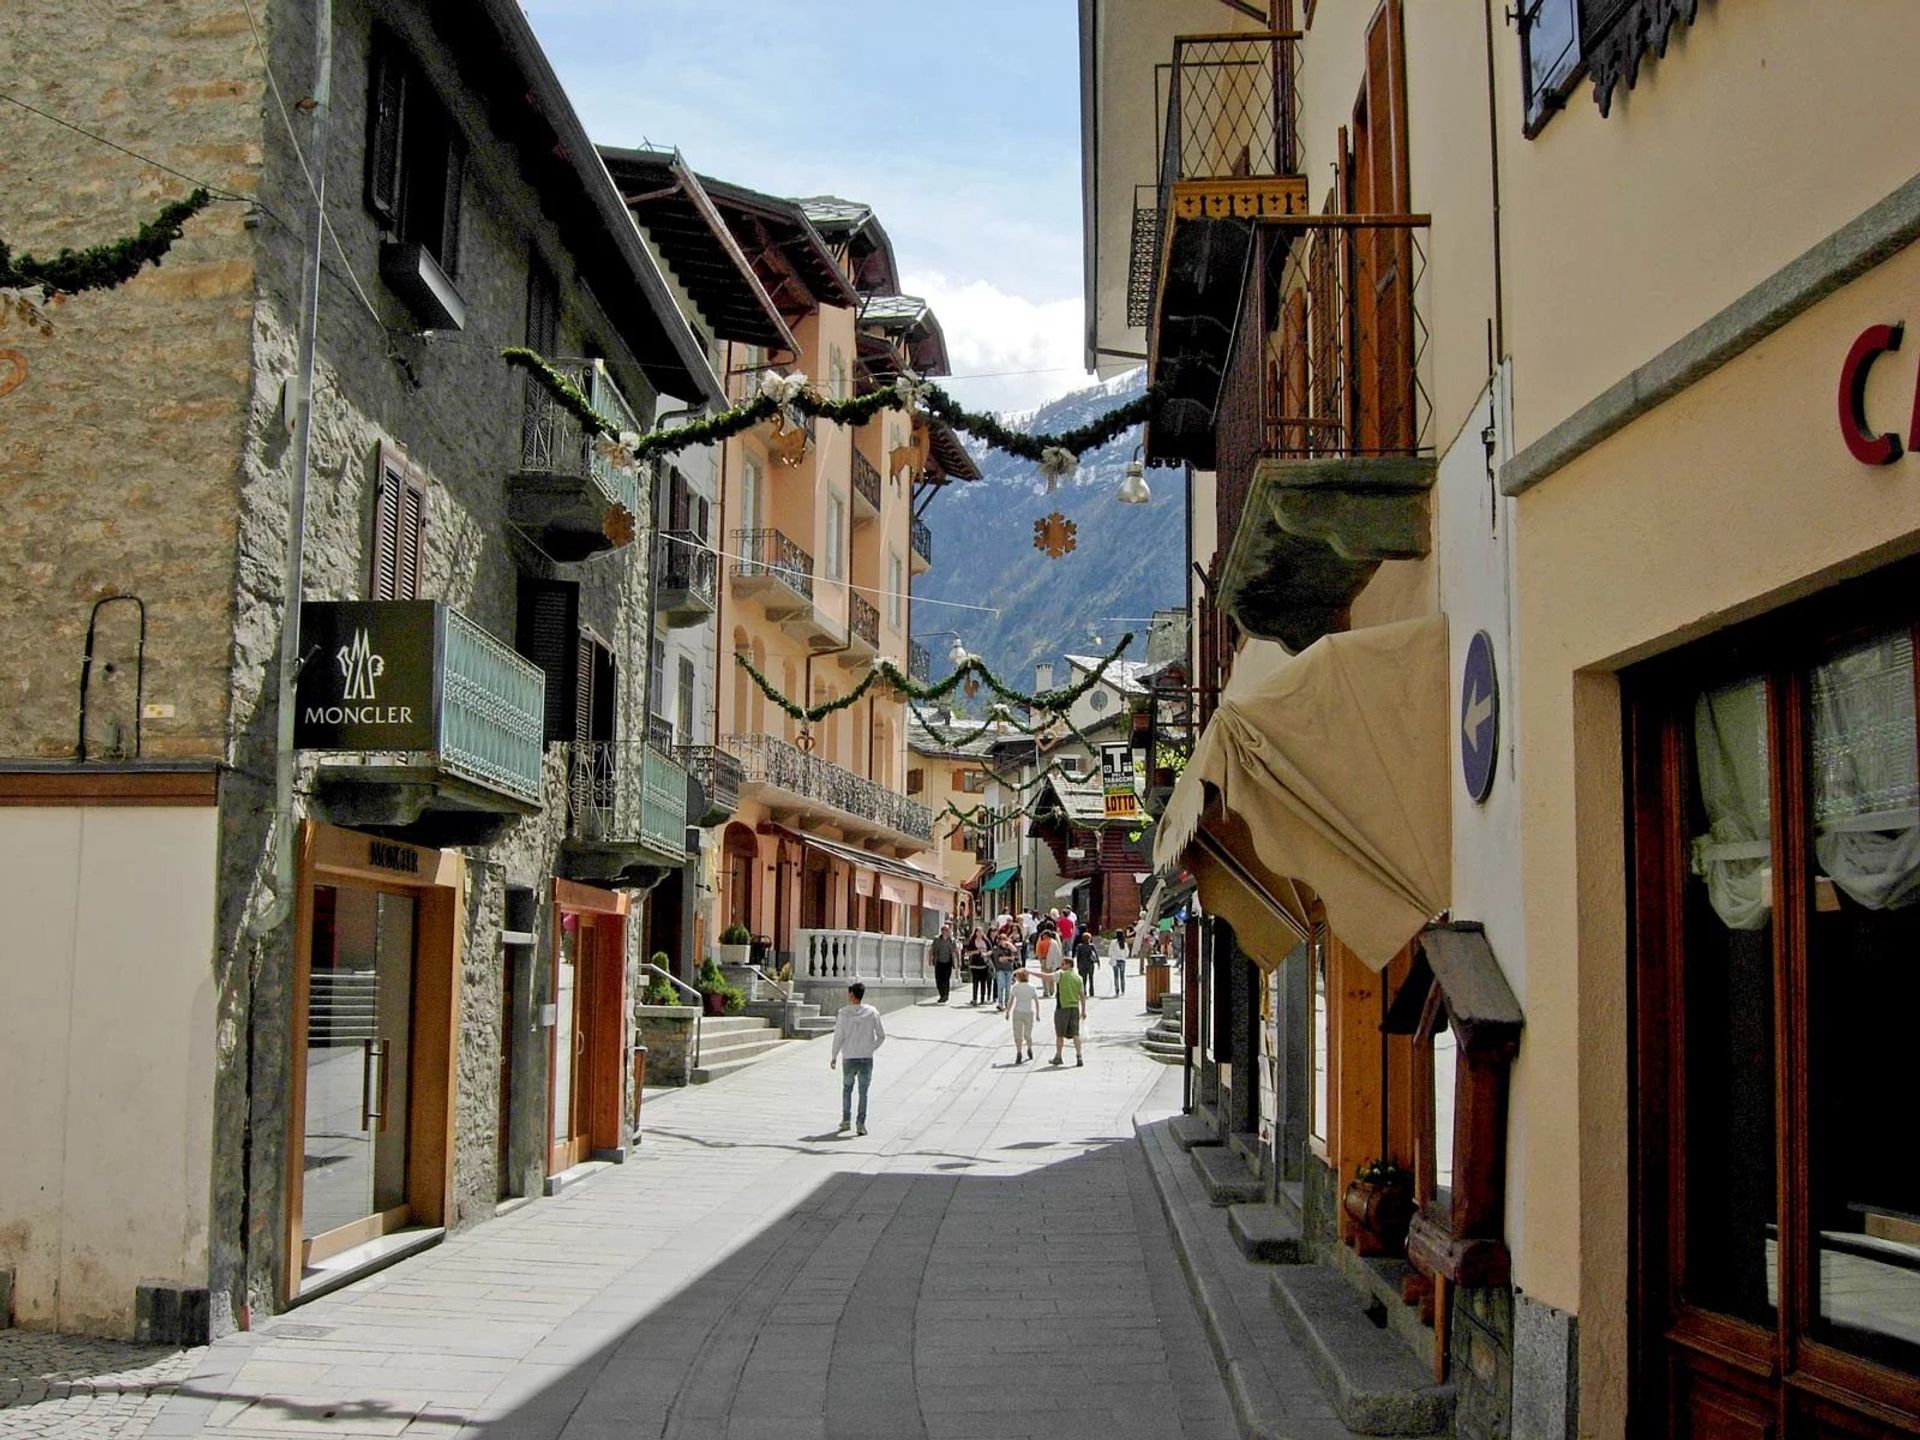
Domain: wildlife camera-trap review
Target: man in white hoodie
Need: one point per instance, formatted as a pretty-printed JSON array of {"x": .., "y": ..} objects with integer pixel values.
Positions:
[{"x": 857, "y": 1033}]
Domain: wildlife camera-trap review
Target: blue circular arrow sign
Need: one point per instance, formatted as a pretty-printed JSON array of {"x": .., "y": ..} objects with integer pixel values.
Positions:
[{"x": 1479, "y": 717}]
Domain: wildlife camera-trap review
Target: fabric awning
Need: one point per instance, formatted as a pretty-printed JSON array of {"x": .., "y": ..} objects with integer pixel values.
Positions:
[
  {"x": 1072, "y": 885},
  {"x": 1326, "y": 770},
  {"x": 899, "y": 892},
  {"x": 999, "y": 878}
]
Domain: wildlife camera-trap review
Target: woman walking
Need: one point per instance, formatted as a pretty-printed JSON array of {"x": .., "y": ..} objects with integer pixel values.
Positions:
[
  {"x": 1117, "y": 957},
  {"x": 978, "y": 969}
]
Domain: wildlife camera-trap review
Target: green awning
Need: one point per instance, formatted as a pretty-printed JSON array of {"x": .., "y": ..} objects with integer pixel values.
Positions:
[{"x": 998, "y": 879}]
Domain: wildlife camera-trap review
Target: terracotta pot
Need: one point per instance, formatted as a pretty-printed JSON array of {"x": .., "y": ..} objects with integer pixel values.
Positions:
[
  {"x": 1383, "y": 1211},
  {"x": 713, "y": 1003}
]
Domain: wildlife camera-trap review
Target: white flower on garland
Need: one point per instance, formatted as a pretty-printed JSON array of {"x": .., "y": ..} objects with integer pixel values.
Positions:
[
  {"x": 1055, "y": 465},
  {"x": 619, "y": 450},
  {"x": 913, "y": 391},
  {"x": 783, "y": 389}
]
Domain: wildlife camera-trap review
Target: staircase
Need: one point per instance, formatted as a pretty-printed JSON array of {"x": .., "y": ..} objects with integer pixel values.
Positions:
[
  {"x": 1163, "y": 1040},
  {"x": 729, "y": 1043}
]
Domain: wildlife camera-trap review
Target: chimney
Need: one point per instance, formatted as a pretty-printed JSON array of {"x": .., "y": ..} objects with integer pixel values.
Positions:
[{"x": 1043, "y": 676}]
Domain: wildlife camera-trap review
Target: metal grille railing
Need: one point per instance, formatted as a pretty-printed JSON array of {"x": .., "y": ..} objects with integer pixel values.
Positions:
[
  {"x": 552, "y": 442},
  {"x": 1143, "y": 256},
  {"x": 922, "y": 540},
  {"x": 767, "y": 761},
  {"x": 622, "y": 792},
  {"x": 919, "y": 663},
  {"x": 687, "y": 565},
  {"x": 719, "y": 774},
  {"x": 863, "y": 619},
  {"x": 492, "y": 711},
  {"x": 866, "y": 479},
  {"x": 768, "y": 552}
]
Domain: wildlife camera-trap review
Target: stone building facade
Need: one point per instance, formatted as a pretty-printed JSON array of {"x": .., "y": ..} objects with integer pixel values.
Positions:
[{"x": 150, "y": 463}]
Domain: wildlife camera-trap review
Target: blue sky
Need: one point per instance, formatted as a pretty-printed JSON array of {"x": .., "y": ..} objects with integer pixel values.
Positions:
[{"x": 959, "y": 123}]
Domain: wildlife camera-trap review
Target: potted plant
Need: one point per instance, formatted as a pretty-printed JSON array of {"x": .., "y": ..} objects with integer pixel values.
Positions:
[
  {"x": 735, "y": 945},
  {"x": 660, "y": 991},
  {"x": 1380, "y": 1202},
  {"x": 718, "y": 996}
]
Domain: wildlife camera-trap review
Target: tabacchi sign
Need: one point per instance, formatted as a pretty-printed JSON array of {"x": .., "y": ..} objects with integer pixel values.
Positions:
[
  {"x": 1868, "y": 446},
  {"x": 368, "y": 679}
]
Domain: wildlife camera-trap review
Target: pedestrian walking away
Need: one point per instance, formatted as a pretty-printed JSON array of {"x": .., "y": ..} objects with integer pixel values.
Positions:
[
  {"x": 1004, "y": 960},
  {"x": 1069, "y": 1003},
  {"x": 1117, "y": 956},
  {"x": 857, "y": 1034},
  {"x": 1023, "y": 1008},
  {"x": 1046, "y": 949},
  {"x": 1086, "y": 958},
  {"x": 945, "y": 952}
]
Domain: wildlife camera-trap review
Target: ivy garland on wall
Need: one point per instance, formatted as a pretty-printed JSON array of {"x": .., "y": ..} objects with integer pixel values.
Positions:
[
  {"x": 102, "y": 267},
  {"x": 782, "y": 393},
  {"x": 1055, "y": 701}
]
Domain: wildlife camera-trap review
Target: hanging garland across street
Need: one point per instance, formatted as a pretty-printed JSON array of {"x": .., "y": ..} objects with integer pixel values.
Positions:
[
  {"x": 781, "y": 395},
  {"x": 1056, "y": 701},
  {"x": 102, "y": 267},
  {"x": 982, "y": 817},
  {"x": 998, "y": 714}
]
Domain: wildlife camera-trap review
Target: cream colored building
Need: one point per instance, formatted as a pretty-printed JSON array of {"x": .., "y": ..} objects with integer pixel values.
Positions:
[{"x": 1627, "y": 424}]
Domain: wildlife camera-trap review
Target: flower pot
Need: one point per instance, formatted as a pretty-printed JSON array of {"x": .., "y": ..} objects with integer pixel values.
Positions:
[
  {"x": 732, "y": 954},
  {"x": 713, "y": 1003},
  {"x": 1382, "y": 1213}
]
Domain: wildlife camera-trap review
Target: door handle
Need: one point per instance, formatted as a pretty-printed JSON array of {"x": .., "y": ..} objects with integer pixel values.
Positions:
[
  {"x": 366, "y": 1084},
  {"x": 374, "y": 1064}
]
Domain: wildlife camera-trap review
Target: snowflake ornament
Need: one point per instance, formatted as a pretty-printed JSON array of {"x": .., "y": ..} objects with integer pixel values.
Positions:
[{"x": 1055, "y": 535}]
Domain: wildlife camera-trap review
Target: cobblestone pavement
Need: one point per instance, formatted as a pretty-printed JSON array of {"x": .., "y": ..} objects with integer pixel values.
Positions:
[
  {"x": 990, "y": 1261},
  {"x": 66, "y": 1385}
]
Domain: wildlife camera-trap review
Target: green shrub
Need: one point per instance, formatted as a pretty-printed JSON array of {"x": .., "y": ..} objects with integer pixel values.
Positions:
[{"x": 736, "y": 934}]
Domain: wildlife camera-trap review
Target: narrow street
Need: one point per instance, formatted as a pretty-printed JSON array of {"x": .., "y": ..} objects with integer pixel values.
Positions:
[{"x": 990, "y": 1261}]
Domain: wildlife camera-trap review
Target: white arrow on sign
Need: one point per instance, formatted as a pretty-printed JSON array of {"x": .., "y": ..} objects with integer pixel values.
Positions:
[{"x": 1479, "y": 712}]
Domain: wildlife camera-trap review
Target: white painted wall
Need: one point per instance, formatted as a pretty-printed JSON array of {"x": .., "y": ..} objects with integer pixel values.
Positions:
[{"x": 106, "y": 1057}]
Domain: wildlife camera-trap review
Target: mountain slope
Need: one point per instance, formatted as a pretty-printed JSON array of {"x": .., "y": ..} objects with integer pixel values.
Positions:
[{"x": 1128, "y": 561}]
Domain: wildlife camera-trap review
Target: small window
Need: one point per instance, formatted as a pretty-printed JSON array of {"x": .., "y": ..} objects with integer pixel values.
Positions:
[
  {"x": 973, "y": 782},
  {"x": 896, "y": 592},
  {"x": 1549, "y": 56},
  {"x": 916, "y": 781},
  {"x": 543, "y": 308},
  {"x": 836, "y": 536},
  {"x": 683, "y": 710},
  {"x": 1098, "y": 700},
  {"x": 1074, "y": 766},
  {"x": 399, "y": 525},
  {"x": 416, "y": 157},
  {"x": 837, "y": 375}
]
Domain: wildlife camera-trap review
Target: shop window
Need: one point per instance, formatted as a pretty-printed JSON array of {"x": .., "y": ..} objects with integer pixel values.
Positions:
[
  {"x": 1776, "y": 853},
  {"x": 399, "y": 529},
  {"x": 416, "y": 158}
]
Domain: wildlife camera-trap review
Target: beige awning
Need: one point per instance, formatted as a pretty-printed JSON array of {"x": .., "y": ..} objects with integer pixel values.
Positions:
[{"x": 1326, "y": 770}]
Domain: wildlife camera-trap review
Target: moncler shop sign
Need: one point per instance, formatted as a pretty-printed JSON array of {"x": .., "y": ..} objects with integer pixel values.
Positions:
[{"x": 367, "y": 682}]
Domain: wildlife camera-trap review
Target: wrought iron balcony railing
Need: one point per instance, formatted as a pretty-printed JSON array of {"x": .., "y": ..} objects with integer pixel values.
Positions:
[
  {"x": 864, "y": 621},
  {"x": 922, "y": 540},
  {"x": 866, "y": 480},
  {"x": 919, "y": 663},
  {"x": 769, "y": 554},
  {"x": 626, "y": 792},
  {"x": 687, "y": 576},
  {"x": 492, "y": 711},
  {"x": 552, "y": 442},
  {"x": 767, "y": 761},
  {"x": 719, "y": 774}
]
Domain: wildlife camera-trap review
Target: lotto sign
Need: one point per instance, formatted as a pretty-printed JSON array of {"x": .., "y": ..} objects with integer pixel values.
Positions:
[{"x": 1116, "y": 782}]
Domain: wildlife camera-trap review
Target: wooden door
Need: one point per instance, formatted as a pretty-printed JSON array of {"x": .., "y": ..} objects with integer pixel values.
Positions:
[{"x": 1776, "y": 870}]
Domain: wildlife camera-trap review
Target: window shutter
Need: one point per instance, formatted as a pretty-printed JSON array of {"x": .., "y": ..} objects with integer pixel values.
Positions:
[
  {"x": 547, "y": 634},
  {"x": 448, "y": 252},
  {"x": 409, "y": 541},
  {"x": 543, "y": 308},
  {"x": 383, "y": 576},
  {"x": 681, "y": 507},
  {"x": 702, "y": 516},
  {"x": 1388, "y": 191},
  {"x": 386, "y": 119},
  {"x": 583, "y": 668}
]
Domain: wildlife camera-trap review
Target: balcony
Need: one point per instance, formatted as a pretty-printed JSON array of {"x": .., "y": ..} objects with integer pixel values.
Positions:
[
  {"x": 626, "y": 814},
  {"x": 920, "y": 548},
  {"x": 445, "y": 722},
  {"x": 919, "y": 663},
  {"x": 719, "y": 777},
  {"x": 772, "y": 569},
  {"x": 571, "y": 501},
  {"x": 863, "y": 631},
  {"x": 797, "y": 786},
  {"x": 1228, "y": 163},
  {"x": 1325, "y": 452},
  {"x": 685, "y": 594},
  {"x": 866, "y": 488}
]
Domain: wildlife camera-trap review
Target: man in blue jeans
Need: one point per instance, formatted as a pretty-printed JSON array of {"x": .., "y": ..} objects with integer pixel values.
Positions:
[{"x": 857, "y": 1033}]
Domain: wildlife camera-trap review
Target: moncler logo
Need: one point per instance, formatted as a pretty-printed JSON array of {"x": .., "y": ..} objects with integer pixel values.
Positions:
[{"x": 361, "y": 667}]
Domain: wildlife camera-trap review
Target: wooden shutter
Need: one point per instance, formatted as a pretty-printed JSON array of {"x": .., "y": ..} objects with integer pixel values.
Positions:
[
  {"x": 386, "y": 122},
  {"x": 1380, "y": 288},
  {"x": 543, "y": 308},
  {"x": 382, "y": 580},
  {"x": 548, "y": 634},
  {"x": 702, "y": 516},
  {"x": 583, "y": 677},
  {"x": 679, "y": 508},
  {"x": 411, "y": 539}
]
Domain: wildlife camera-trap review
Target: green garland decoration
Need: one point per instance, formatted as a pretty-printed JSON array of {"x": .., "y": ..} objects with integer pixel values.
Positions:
[
  {"x": 102, "y": 267},
  {"x": 855, "y": 410},
  {"x": 1056, "y": 700}
]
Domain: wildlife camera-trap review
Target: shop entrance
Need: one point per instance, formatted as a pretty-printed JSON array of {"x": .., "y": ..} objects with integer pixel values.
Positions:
[
  {"x": 376, "y": 945},
  {"x": 584, "y": 1077}
]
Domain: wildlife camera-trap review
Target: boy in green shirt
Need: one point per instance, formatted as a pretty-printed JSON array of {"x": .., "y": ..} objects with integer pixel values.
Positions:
[{"x": 1069, "y": 997}]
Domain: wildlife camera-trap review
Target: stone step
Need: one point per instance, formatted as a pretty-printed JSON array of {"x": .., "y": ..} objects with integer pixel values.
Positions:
[
  {"x": 812, "y": 1029},
  {"x": 1191, "y": 1130},
  {"x": 712, "y": 1025},
  {"x": 1164, "y": 1050},
  {"x": 1246, "y": 1144},
  {"x": 1269, "y": 1234},
  {"x": 1159, "y": 1058},
  {"x": 1225, "y": 1175},
  {"x": 707, "y": 1074},
  {"x": 1374, "y": 1386},
  {"x": 739, "y": 1047}
]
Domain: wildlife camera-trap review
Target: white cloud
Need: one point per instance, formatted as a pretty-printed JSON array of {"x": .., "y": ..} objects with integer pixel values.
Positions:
[{"x": 1022, "y": 352}]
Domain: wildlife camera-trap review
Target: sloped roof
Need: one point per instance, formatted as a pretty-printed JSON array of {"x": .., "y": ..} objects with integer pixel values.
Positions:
[
  {"x": 1129, "y": 677},
  {"x": 869, "y": 249},
  {"x": 762, "y": 222}
]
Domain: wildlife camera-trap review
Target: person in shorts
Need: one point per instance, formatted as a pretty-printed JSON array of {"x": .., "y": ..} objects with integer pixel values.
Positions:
[
  {"x": 1023, "y": 1008},
  {"x": 1069, "y": 1000}
]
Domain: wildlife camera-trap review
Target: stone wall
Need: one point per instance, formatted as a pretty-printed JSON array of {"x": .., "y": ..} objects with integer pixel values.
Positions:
[
  {"x": 667, "y": 1032},
  {"x": 120, "y": 426},
  {"x": 1480, "y": 1362}
]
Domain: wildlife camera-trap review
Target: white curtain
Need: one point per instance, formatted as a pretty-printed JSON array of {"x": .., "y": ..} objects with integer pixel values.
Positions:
[
  {"x": 1730, "y": 754},
  {"x": 1864, "y": 772}
]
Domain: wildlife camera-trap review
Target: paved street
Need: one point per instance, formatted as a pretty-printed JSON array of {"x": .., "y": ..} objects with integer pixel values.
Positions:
[{"x": 990, "y": 1261}]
